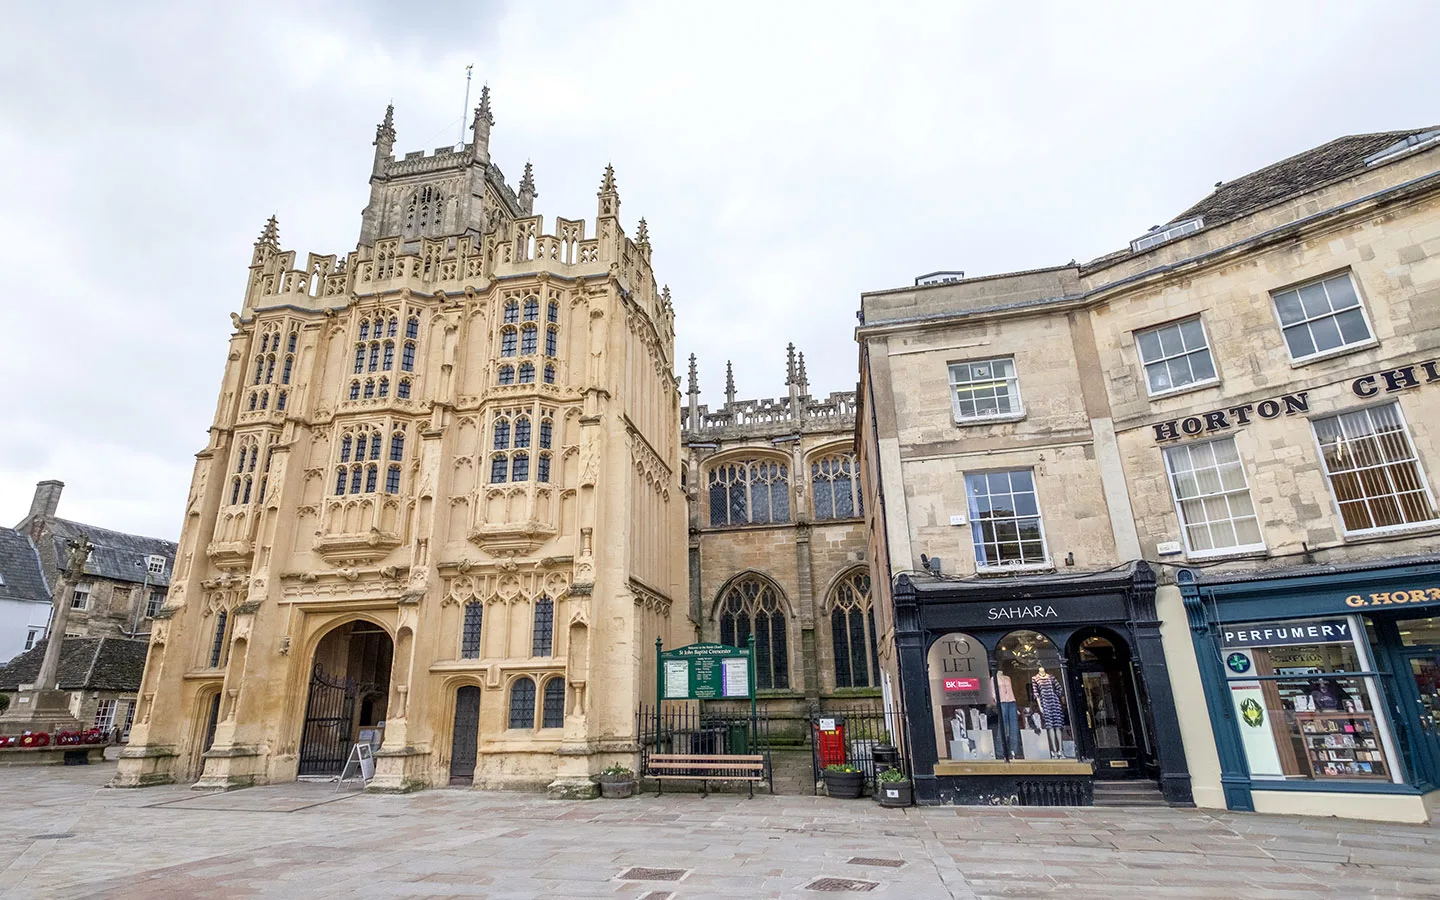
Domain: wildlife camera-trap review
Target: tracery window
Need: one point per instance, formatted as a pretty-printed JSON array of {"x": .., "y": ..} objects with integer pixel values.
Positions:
[
  {"x": 407, "y": 357},
  {"x": 552, "y": 341},
  {"x": 384, "y": 387},
  {"x": 852, "y": 632},
  {"x": 389, "y": 362},
  {"x": 359, "y": 445},
  {"x": 508, "y": 339},
  {"x": 412, "y": 327},
  {"x": 507, "y": 374},
  {"x": 520, "y": 467},
  {"x": 529, "y": 340},
  {"x": 470, "y": 631},
  {"x": 243, "y": 478},
  {"x": 532, "y": 309},
  {"x": 835, "y": 487},
  {"x": 549, "y": 374},
  {"x": 280, "y": 400},
  {"x": 397, "y": 446},
  {"x": 522, "y": 702},
  {"x": 527, "y": 373},
  {"x": 752, "y": 606},
  {"x": 355, "y": 389},
  {"x": 392, "y": 480},
  {"x": 403, "y": 391},
  {"x": 512, "y": 311},
  {"x": 499, "y": 468},
  {"x": 552, "y": 714},
  {"x": 542, "y": 634},
  {"x": 369, "y": 388},
  {"x": 217, "y": 647},
  {"x": 552, "y": 312},
  {"x": 749, "y": 492}
]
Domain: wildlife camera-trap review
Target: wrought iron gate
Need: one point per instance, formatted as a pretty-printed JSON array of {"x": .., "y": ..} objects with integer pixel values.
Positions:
[
  {"x": 466, "y": 734},
  {"x": 329, "y": 714}
]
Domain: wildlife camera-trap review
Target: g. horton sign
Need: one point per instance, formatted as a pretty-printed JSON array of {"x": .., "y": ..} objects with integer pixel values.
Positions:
[
  {"x": 1411, "y": 597},
  {"x": 1366, "y": 386}
]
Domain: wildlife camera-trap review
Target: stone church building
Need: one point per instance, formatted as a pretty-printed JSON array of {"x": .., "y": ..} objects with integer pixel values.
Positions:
[
  {"x": 777, "y": 545},
  {"x": 440, "y": 506}
]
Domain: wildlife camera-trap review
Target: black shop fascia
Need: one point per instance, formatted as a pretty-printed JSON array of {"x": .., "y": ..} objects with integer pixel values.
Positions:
[{"x": 1028, "y": 690}]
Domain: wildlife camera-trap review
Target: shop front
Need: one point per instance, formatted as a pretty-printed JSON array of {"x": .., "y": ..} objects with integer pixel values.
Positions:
[
  {"x": 1323, "y": 686},
  {"x": 1029, "y": 689}
]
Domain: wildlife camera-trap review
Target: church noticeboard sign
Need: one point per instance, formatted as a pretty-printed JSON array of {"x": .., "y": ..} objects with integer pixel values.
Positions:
[{"x": 706, "y": 672}]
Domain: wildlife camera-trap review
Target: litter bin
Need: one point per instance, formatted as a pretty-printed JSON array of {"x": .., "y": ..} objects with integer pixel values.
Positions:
[{"x": 885, "y": 757}]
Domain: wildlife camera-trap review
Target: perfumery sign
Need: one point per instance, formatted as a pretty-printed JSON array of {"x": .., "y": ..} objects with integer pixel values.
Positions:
[{"x": 1283, "y": 634}]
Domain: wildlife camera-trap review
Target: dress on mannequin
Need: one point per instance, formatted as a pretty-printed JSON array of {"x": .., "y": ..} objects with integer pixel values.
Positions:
[{"x": 1047, "y": 697}]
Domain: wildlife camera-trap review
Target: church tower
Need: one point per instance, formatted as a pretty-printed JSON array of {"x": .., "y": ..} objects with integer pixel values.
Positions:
[{"x": 439, "y": 510}]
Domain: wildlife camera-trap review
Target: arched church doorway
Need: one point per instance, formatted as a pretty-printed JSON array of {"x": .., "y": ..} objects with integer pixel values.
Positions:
[
  {"x": 466, "y": 737},
  {"x": 349, "y": 690}
]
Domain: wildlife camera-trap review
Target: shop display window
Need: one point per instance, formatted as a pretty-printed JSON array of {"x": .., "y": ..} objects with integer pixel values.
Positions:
[
  {"x": 962, "y": 699},
  {"x": 1305, "y": 709},
  {"x": 1035, "y": 717}
]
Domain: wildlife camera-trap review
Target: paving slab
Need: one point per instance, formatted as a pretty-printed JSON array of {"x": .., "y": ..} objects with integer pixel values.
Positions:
[{"x": 66, "y": 835}]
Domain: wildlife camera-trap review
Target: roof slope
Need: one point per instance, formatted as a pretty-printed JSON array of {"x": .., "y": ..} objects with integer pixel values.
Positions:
[
  {"x": 86, "y": 664},
  {"x": 1297, "y": 174},
  {"x": 117, "y": 555},
  {"x": 20, "y": 575}
]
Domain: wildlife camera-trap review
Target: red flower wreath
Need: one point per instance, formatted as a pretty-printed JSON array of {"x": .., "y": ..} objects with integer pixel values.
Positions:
[{"x": 35, "y": 739}]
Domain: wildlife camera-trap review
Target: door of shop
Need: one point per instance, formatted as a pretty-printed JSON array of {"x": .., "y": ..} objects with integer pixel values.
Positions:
[
  {"x": 1423, "y": 664},
  {"x": 1108, "y": 733},
  {"x": 1413, "y": 645}
]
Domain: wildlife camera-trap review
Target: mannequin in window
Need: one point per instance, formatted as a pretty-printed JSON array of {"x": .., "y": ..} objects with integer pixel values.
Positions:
[
  {"x": 1052, "y": 708},
  {"x": 1009, "y": 715}
]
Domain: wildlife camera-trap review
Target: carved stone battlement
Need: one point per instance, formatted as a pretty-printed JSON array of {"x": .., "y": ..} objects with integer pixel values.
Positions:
[{"x": 799, "y": 412}]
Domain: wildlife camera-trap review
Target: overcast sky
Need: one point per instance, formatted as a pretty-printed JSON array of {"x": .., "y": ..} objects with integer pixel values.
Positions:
[{"x": 787, "y": 157}]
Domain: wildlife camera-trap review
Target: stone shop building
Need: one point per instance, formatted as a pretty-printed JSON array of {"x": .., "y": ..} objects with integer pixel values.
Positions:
[
  {"x": 439, "y": 510},
  {"x": 1240, "y": 401}
]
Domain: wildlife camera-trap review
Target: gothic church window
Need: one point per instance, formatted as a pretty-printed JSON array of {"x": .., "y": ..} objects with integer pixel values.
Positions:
[
  {"x": 407, "y": 357},
  {"x": 852, "y": 632},
  {"x": 750, "y": 492},
  {"x": 508, "y": 339},
  {"x": 553, "y": 711},
  {"x": 751, "y": 606},
  {"x": 532, "y": 309},
  {"x": 507, "y": 375},
  {"x": 549, "y": 374},
  {"x": 552, "y": 313},
  {"x": 527, "y": 373},
  {"x": 543, "y": 631},
  {"x": 412, "y": 327},
  {"x": 217, "y": 647},
  {"x": 470, "y": 632},
  {"x": 355, "y": 390},
  {"x": 522, "y": 702},
  {"x": 520, "y": 467},
  {"x": 392, "y": 480},
  {"x": 529, "y": 340},
  {"x": 512, "y": 312},
  {"x": 835, "y": 487},
  {"x": 403, "y": 392},
  {"x": 352, "y": 469}
]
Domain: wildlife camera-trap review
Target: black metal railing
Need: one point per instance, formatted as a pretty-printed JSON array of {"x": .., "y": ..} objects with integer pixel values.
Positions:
[
  {"x": 690, "y": 728},
  {"x": 862, "y": 735}
]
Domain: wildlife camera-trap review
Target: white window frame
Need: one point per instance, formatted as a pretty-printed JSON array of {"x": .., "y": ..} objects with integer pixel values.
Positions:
[
  {"x": 1381, "y": 530},
  {"x": 33, "y": 634},
  {"x": 1191, "y": 552},
  {"x": 1146, "y": 363},
  {"x": 981, "y": 566},
  {"x": 1012, "y": 382},
  {"x": 1343, "y": 349},
  {"x": 108, "y": 707},
  {"x": 84, "y": 588}
]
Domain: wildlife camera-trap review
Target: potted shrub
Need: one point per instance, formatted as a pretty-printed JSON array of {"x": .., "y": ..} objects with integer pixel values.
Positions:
[
  {"x": 843, "y": 780},
  {"x": 894, "y": 788},
  {"x": 617, "y": 782}
]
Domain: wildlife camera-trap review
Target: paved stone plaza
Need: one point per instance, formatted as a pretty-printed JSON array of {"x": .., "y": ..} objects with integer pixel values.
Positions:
[{"x": 65, "y": 835}]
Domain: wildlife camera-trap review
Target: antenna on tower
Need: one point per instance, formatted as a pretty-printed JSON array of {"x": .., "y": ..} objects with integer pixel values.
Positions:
[{"x": 465, "y": 109}]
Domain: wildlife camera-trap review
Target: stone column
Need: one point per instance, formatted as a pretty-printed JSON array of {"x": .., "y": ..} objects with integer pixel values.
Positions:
[{"x": 43, "y": 707}]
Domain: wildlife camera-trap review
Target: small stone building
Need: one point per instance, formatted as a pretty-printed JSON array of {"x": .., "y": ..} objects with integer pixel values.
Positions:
[
  {"x": 126, "y": 577},
  {"x": 102, "y": 675}
]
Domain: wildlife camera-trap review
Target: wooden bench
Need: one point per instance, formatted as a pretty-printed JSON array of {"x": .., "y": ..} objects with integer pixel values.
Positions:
[{"x": 748, "y": 767}]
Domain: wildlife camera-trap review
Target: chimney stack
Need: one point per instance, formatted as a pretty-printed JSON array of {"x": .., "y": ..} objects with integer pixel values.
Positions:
[{"x": 47, "y": 499}]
